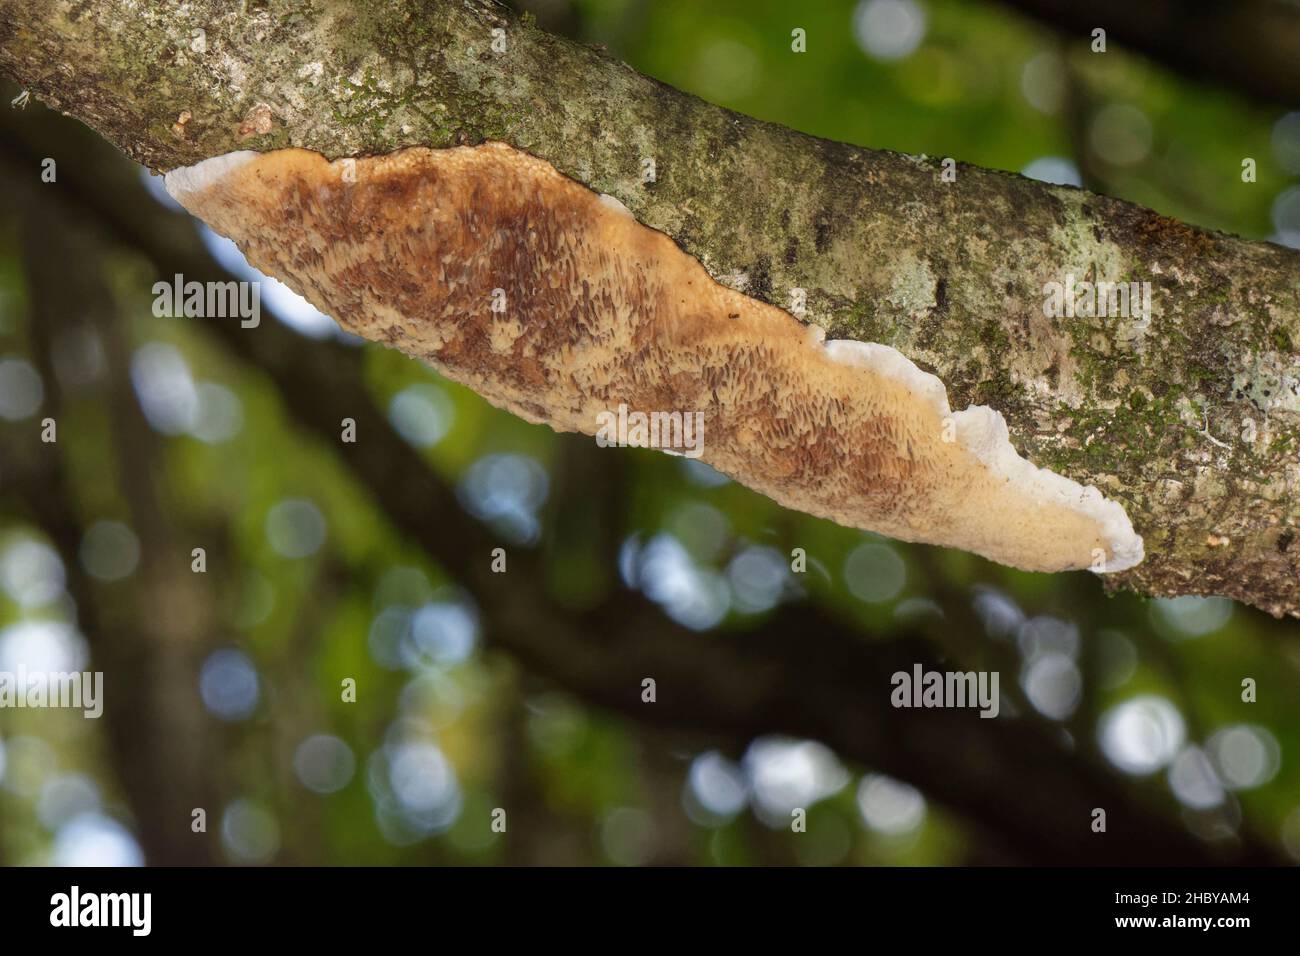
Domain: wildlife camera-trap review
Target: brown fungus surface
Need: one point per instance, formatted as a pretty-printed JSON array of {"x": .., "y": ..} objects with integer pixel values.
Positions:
[{"x": 594, "y": 310}]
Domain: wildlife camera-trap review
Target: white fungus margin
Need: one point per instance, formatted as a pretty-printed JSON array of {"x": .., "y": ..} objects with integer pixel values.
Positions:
[{"x": 983, "y": 432}]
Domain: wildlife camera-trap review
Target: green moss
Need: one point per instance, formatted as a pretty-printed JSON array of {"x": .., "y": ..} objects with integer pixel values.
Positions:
[
  {"x": 995, "y": 338},
  {"x": 1107, "y": 438},
  {"x": 1000, "y": 391},
  {"x": 1284, "y": 444},
  {"x": 863, "y": 322}
]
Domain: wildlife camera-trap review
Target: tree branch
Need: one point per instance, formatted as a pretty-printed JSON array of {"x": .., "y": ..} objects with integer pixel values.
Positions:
[
  {"x": 950, "y": 273},
  {"x": 148, "y": 641}
]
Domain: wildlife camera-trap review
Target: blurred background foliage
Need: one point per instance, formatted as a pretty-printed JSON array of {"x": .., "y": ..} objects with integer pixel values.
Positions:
[{"x": 328, "y": 561}]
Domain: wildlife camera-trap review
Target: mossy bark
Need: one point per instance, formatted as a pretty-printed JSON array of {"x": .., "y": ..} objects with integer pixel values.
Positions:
[{"x": 1191, "y": 419}]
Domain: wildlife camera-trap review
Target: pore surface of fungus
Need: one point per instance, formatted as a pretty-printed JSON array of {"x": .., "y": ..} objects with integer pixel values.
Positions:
[{"x": 555, "y": 303}]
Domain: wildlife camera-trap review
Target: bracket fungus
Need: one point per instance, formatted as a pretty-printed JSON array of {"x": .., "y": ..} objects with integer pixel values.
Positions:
[{"x": 554, "y": 302}]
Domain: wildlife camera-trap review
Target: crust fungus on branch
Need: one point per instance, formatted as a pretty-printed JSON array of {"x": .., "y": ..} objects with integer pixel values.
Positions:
[{"x": 595, "y": 310}]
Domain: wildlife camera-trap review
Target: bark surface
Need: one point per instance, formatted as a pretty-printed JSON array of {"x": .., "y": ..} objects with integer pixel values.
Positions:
[{"x": 1191, "y": 419}]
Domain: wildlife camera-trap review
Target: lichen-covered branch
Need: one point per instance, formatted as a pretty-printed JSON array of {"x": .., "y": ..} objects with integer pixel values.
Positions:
[{"x": 1188, "y": 414}]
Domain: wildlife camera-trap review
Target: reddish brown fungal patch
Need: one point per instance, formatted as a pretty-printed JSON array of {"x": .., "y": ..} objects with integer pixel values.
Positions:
[{"x": 595, "y": 310}]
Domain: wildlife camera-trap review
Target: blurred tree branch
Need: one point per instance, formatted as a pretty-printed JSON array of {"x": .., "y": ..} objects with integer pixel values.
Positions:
[
  {"x": 148, "y": 639},
  {"x": 1251, "y": 46},
  {"x": 950, "y": 273},
  {"x": 799, "y": 671}
]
